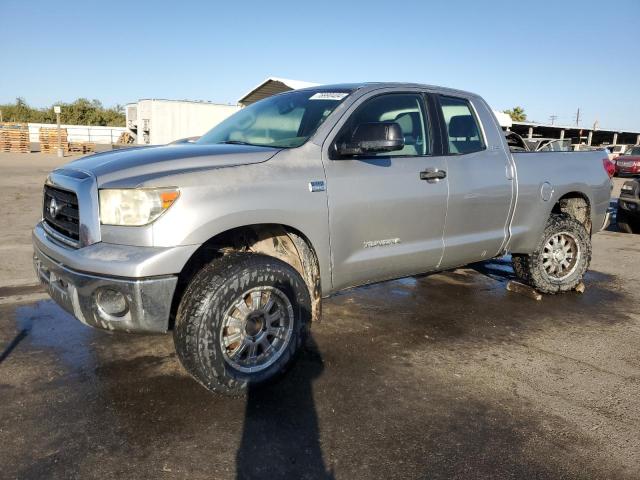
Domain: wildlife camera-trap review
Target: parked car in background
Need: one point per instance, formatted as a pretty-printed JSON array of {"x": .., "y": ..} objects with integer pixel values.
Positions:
[
  {"x": 628, "y": 216},
  {"x": 548, "y": 144},
  {"x": 628, "y": 164},
  {"x": 554, "y": 145},
  {"x": 616, "y": 150},
  {"x": 233, "y": 241},
  {"x": 583, "y": 147}
]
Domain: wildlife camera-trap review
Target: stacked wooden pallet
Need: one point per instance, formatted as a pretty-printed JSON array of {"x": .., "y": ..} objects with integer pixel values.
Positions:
[
  {"x": 126, "y": 138},
  {"x": 82, "y": 147},
  {"x": 14, "y": 137},
  {"x": 49, "y": 140}
]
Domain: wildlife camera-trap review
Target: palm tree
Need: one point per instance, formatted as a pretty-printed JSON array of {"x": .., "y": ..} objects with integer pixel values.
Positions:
[{"x": 517, "y": 114}]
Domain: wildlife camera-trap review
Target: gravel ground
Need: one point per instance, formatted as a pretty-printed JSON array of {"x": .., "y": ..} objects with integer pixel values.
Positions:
[{"x": 441, "y": 376}]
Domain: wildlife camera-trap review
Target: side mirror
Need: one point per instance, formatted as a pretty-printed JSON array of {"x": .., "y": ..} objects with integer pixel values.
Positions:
[{"x": 373, "y": 137}]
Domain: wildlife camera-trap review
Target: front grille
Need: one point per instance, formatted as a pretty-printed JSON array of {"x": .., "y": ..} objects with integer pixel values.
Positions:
[
  {"x": 61, "y": 213},
  {"x": 630, "y": 189}
]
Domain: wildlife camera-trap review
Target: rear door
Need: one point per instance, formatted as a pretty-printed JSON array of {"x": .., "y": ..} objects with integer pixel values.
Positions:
[
  {"x": 386, "y": 219},
  {"x": 481, "y": 184}
]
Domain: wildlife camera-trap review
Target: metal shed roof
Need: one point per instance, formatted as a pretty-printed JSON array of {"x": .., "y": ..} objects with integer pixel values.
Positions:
[{"x": 273, "y": 86}]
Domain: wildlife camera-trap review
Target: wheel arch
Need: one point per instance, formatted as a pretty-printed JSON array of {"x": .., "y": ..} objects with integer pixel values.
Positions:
[
  {"x": 273, "y": 239},
  {"x": 530, "y": 224},
  {"x": 577, "y": 205}
]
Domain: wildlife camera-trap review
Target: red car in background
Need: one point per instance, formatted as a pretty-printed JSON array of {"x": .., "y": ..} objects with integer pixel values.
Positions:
[{"x": 629, "y": 162}]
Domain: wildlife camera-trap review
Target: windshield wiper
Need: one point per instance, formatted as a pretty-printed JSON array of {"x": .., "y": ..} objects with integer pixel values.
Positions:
[
  {"x": 240, "y": 142},
  {"x": 236, "y": 142}
]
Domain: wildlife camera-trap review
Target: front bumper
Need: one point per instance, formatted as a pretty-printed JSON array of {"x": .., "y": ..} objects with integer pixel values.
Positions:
[
  {"x": 629, "y": 205},
  {"x": 148, "y": 300},
  {"x": 146, "y": 276}
]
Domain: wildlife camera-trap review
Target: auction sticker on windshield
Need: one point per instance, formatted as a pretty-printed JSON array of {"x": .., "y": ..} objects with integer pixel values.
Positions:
[{"x": 328, "y": 96}]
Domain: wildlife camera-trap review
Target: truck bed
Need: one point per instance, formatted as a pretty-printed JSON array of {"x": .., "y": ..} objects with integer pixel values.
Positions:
[{"x": 560, "y": 173}]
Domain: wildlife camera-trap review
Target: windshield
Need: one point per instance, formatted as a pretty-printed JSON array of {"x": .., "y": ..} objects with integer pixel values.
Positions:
[
  {"x": 282, "y": 121},
  {"x": 633, "y": 151}
]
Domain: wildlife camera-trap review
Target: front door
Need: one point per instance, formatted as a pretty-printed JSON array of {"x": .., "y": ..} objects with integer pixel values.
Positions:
[{"x": 386, "y": 211}]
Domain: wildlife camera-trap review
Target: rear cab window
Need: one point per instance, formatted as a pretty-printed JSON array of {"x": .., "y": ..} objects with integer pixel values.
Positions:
[{"x": 462, "y": 129}]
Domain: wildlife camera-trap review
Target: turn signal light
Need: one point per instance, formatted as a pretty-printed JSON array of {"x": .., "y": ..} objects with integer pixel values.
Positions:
[{"x": 168, "y": 198}]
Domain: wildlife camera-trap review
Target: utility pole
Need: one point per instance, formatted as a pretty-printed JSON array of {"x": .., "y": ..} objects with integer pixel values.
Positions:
[
  {"x": 1, "y": 115},
  {"x": 578, "y": 118},
  {"x": 553, "y": 118},
  {"x": 56, "y": 109}
]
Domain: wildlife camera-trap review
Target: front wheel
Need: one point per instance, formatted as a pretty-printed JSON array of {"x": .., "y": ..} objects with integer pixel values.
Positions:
[
  {"x": 241, "y": 321},
  {"x": 560, "y": 259}
]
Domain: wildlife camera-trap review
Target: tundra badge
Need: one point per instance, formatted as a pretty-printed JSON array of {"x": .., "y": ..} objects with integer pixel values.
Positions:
[
  {"x": 316, "y": 186},
  {"x": 381, "y": 243}
]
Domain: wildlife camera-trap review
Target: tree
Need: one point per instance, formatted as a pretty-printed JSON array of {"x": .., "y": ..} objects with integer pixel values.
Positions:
[
  {"x": 80, "y": 112},
  {"x": 517, "y": 114}
]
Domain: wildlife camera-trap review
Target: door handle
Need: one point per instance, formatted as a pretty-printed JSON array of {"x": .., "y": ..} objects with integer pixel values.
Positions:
[{"x": 433, "y": 175}]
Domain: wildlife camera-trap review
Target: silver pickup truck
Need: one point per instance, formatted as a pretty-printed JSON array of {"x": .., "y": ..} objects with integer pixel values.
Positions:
[{"x": 232, "y": 241}]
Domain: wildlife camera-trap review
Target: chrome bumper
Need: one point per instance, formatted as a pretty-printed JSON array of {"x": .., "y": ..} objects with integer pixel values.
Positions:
[
  {"x": 148, "y": 300},
  {"x": 146, "y": 276},
  {"x": 607, "y": 219}
]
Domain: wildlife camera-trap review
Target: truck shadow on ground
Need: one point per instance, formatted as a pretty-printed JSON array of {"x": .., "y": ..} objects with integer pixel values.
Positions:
[
  {"x": 281, "y": 434},
  {"x": 21, "y": 335}
]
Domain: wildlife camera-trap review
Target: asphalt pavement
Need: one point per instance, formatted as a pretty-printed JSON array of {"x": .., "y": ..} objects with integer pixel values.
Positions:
[{"x": 436, "y": 377}]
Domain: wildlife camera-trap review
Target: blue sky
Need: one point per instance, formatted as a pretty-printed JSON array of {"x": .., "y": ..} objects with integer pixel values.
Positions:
[{"x": 550, "y": 57}]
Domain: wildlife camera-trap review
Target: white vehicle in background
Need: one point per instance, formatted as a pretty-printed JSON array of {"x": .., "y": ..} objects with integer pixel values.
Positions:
[
  {"x": 554, "y": 145},
  {"x": 616, "y": 150},
  {"x": 538, "y": 144}
]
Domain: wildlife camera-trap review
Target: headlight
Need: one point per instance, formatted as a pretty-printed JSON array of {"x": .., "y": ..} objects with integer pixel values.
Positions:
[{"x": 135, "y": 206}]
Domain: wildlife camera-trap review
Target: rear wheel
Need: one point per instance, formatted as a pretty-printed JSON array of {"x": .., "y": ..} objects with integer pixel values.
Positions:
[
  {"x": 626, "y": 223},
  {"x": 241, "y": 321},
  {"x": 560, "y": 258}
]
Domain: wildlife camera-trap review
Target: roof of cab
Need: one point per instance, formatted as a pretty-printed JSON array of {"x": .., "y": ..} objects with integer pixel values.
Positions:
[
  {"x": 379, "y": 85},
  {"x": 276, "y": 85}
]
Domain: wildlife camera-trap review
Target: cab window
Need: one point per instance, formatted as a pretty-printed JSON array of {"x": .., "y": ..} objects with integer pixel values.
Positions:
[
  {"x": 404, "y": 109},
  {"x": 462, "y": 128}
]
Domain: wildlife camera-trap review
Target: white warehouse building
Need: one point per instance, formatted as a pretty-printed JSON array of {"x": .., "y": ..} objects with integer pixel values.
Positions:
[{"x": 157, "y": 122}]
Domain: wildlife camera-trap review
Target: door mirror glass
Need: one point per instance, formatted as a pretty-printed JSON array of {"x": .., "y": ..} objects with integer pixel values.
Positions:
[{"x": 373, "y": 137}]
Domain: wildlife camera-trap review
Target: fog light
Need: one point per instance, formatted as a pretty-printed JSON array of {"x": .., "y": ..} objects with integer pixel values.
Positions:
[{"x": 111, "y": 302}]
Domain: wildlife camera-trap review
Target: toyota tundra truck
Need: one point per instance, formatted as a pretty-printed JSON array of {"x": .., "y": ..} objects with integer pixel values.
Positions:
[{"x": 231, "y": 242}]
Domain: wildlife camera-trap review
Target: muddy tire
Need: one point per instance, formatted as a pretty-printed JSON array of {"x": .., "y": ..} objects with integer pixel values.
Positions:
[
  {"x": 241, "y": 321},
  {"x": 560, "y": 259},
  {"x": 627, "y": 224}
]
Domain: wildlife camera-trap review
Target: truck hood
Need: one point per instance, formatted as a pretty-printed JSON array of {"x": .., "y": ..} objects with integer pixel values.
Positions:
[{"x": 132, "y": 166}]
